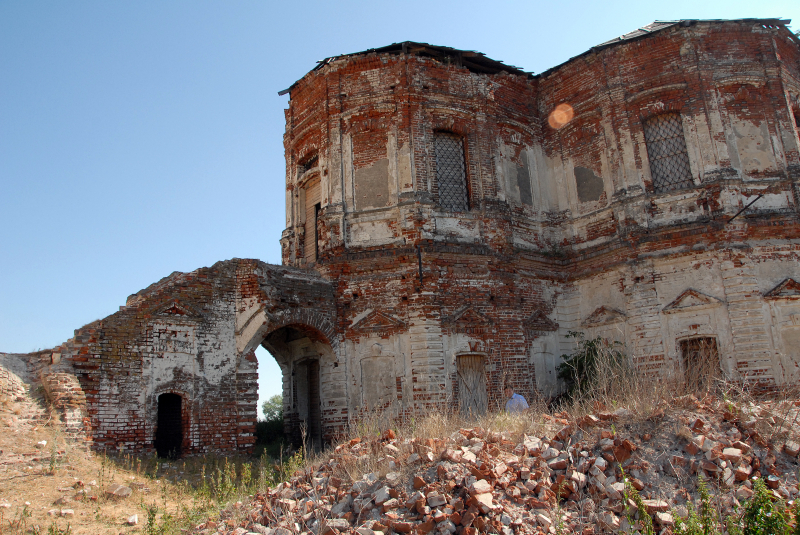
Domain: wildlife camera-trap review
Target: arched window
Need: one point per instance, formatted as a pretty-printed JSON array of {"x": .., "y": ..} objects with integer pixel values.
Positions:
[
  {"x": 451, "y": 172},
  {"x": 666, "y": 150}
]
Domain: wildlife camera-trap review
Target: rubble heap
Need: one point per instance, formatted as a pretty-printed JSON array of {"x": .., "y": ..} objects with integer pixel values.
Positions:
[{"x": 578, "y": 476}]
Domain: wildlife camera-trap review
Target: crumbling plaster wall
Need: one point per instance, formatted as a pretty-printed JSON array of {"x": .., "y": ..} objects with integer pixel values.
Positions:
[
  {"x": 594, "y": 170},
  {"x": 572, "y": 207},
  {"x": 564, "y": 232}
]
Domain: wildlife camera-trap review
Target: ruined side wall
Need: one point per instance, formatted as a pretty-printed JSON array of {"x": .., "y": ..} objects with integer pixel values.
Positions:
[
  {"x": 192, "y": 334},
  {"x": 178, "y": 338}
]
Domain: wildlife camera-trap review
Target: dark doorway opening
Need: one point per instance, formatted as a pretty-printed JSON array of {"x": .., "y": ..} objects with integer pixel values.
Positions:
[
  {"x": 306, "y": 387},
  {"x": 169, "y": 426},
  {"x": 700, "y": 362},
  {"x": 314, "y": 409}
]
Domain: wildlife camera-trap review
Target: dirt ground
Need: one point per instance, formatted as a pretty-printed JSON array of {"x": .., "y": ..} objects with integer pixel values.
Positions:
[{"x": 48, "y": 481}]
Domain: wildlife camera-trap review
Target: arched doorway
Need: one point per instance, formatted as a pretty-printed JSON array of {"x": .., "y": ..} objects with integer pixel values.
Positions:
[
  {"x": 301, "y": 352},
  {"x": 169, "y": 426}
]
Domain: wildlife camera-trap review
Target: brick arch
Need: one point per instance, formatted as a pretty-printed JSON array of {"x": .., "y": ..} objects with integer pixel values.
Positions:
[{"x": 305, "y": 317}]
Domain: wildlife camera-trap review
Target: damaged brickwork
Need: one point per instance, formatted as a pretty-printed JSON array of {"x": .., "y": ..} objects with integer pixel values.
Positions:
[
  {"x": 618, "y": 222},
  {"x": 445, "y": 230}
]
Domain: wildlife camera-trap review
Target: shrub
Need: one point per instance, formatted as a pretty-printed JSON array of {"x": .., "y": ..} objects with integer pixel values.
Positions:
[
  {"x": 590, "y": 360},
  {"x": 765, "y": 515},
  {"x": 703, "y": 523}
]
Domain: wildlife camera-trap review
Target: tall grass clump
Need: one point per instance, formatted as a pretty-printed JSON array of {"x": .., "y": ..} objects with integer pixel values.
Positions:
[{"x": 600, "y": 375}]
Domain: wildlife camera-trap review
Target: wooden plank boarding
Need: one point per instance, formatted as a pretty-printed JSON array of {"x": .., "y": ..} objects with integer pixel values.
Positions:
[{"x": 472, "y": 396}]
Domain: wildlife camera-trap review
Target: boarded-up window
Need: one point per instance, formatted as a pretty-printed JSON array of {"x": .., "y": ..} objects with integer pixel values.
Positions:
[
  {"x": 666, "y": 150},
  {"x": 700, "y": 362},
  {"x": 472, "y": 398},
  {"x": 377, "y": 382},
  {"x": 451, "y": 175},
  {"x": 312, "y": 210}
]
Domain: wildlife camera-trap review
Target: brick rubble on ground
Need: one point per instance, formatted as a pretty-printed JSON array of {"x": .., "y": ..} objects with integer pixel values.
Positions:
[{"x": 479, "y": 481}]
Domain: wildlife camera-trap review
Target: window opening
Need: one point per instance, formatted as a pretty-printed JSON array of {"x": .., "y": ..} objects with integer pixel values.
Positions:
[
  {"x": 307, "y": 165},
  {"x": 312, "y": 208},
  {"x": 169, "y": 426},
  {"x": 666, "y": 150},
  {"x": 451, "y": 176},
  {"x": 700, "y": 362}
]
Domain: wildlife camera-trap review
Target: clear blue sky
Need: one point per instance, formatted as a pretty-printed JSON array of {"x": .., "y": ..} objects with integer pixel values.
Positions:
[{"x": 142, "y": 138}]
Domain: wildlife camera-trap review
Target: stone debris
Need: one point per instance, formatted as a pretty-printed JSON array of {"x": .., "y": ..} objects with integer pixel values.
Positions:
[
  {"x": 577, "y": 477},
  {"x": 118, "y": 491}
]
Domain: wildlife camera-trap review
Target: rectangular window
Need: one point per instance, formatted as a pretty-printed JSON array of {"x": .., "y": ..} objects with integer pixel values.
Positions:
[
  {"x": 451, "y": 175},
  {"x": 666, "y": 150},
  {"x": 312, "y": 207}
]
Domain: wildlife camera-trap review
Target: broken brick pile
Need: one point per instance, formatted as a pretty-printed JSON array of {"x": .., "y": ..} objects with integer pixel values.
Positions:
[{"x": 570, "y": 478}]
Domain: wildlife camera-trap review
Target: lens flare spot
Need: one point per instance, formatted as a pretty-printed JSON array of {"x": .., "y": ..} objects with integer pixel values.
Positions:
[{"x": 561, "y": 115}]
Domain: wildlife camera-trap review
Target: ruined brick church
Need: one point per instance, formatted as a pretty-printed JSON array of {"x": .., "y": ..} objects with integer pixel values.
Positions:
[{"x": 449, "y": 219}]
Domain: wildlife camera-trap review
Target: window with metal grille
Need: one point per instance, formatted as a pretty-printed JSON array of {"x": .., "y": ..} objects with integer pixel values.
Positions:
[
  {"x": 451, "y": 175},
  {"x": 666, "y": 150}
]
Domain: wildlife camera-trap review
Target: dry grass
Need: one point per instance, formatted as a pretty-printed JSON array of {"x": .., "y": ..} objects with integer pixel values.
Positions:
[
  {"x": 38, "y": 483},
  {"x": 643, "y": 403},
  {"x": 170, "y": 496}
]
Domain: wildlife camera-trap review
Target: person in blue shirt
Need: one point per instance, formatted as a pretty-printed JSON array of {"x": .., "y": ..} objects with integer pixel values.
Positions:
[{"x": 516, "y": 403}]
